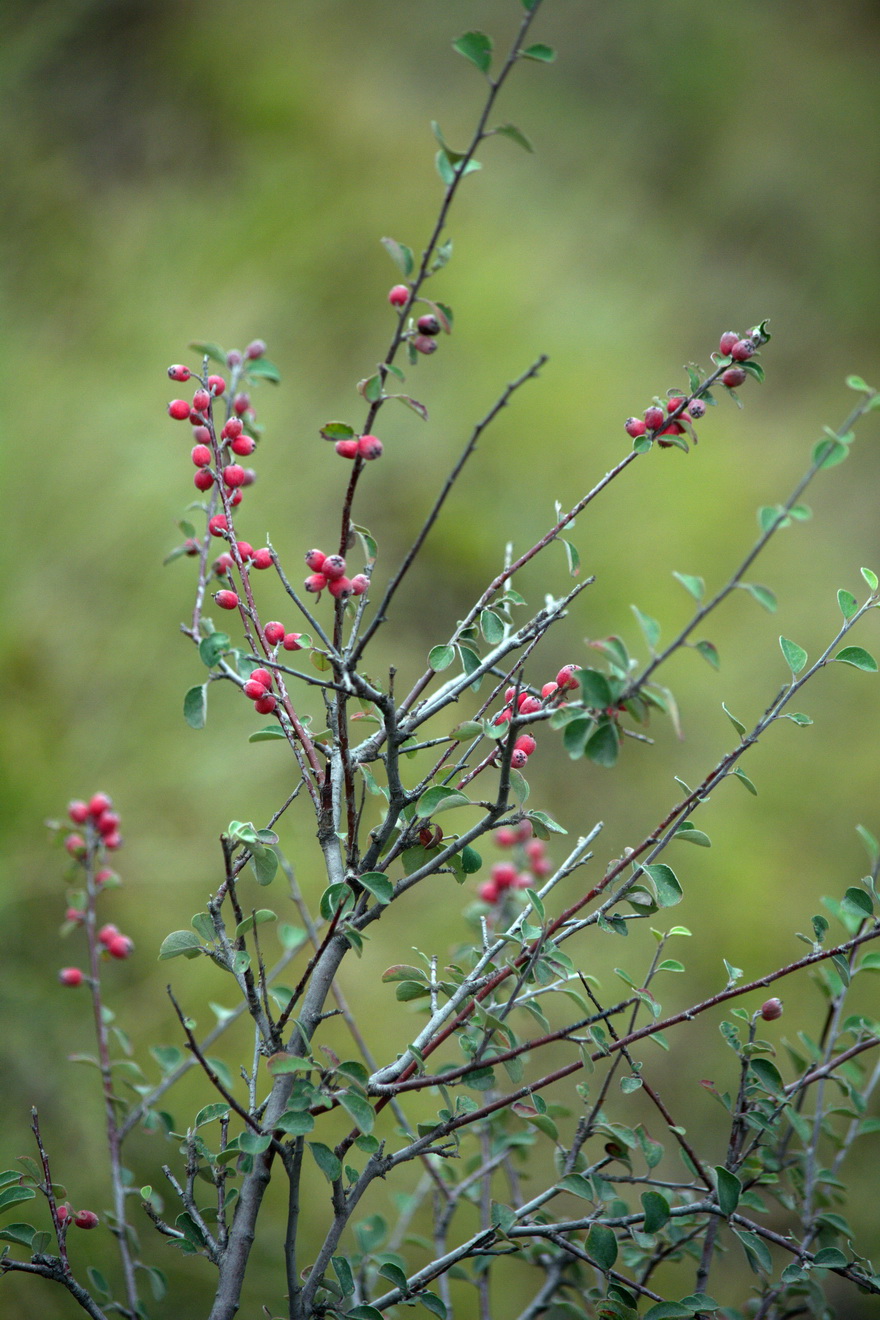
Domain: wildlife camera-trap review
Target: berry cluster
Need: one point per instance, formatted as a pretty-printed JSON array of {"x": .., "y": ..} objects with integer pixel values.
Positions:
[
  {"x": 82, "y": 1218},
  {"x": 328, "y": 571},
  {"x": 421, "y": 336},
  {"x": 527, "y": 704},
  {"x": 259, "y": 689},
  {"x": 101, "y": 822},
  {"x": 530, "y": 865},
  {"x": 101, "y": 833},
  {"x": 368, "y": 447}
]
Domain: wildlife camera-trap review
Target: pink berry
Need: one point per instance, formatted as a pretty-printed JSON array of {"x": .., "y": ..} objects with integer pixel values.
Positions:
[
  {"x": 75, "y": 845},
  {"x": 488, "y": 891},
  {"x": 218, "y": 525},
  {"x": 104, "y": 875},
  {"x": 71, "y": 976},
  {"x": 203, "y": 479},
  {"x": 424, "y": 344},
  {"x": 274, "y": 632},
  {"x": 226, "y": 600},
  {"x": 314, "y": 559},
  {"x": 771, "y": 1009},
  {"x": 216, "y": 385},
  {"x": 255, "y": 349},
  {"x": 333, "y": 566},
  {"x": 78, "y": 812},
  {"x": 112, "y": 841},
  {"x": 233, "y": 358},
  {"x": 224, "y": 564},
  {"x": 107, "y": 933},
  {"x": 99, "y": 803},
  {"x": 565, "y": 679},
  {"x": 634, "y": 427},
  {"x": 727, "y": 341},
  {"x": 86, "y": 1219},
  {"x": 510, "y": 694},
  {"x": 523, "y": 880},
  {"x": 233, "y": 475},
  {"x": 528, "y": 704},
  {"x": 346, "y": 448},
  {"x": 263, "y": 676},
  {"x": 201, "y": 435},
  {"x": 245, "y": 550},
  {"x": 235, "y": 496},
  {"x": 178, "y": 409},
  {"x": 697, "y": 409},
  {"x": 201, "y": 455},
  {"x": 742, "y": 350},
  {"x": 64, "y": 1213},
  {"x": 233, "y": 429},
  {"x": 263, "y": 558},
  {"x": 525, "y": 743},
  {"x": 518, "y": 759},
  {"x": 179, "y": 372},
  {"x": 291, "y": 642},
  {"x": 359, "y": 584},
  {"x": 265, "y": 705},
  {"x": 369, "y": 447},
  {"x": 108, "y": 822},
  {"x": 503, "y": 716},
  {"x": 505, "y": 837},
  {"x": 548, "y": 689},
  {"x": 340, "y": 588},
  {"x": 428, "y": 324},
  {"x": 201, "y": 401},
  {"x": 399, "y": 295},
  {"x": 120, "y": 946},
  {"x": 535, "y": 849},
  {"x": 243, "y": 445},
  {"x": 654, "y": 418},
  {"x": 504, "y": 874},
  {"x": 732, "y": 377},
  {"x": 254, "y": 690},
  {"x": 241, "y": 403},
  {"x": 74, "y": 914},
  {"x": 315, "y": 582},
  {"x": 524, "y": 830}
]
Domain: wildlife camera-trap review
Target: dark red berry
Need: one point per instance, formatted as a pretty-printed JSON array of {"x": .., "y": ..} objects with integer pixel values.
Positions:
[
  {"x": 727, "y": 341},
  {"x": 179, "y": 372},
  {"x": 653, "y": 418},
  {"x": 315, "y": 582},
  {"x": 528, "y": 704},
  {"x": 178, "y": 409},
  {"x": 428, "y": 324},
  {"x": 218, "y": 526},
  {"x": 424, "y": 344},
  {"x": 243, "y": 445},
  {"x": 98, "y": 804},
  {"x": 565, "y": 679},
  {"x": 227, "y": 600},
  {"x": 518, "y": 759},
  {"x": 771, "y": 1009},
  {"x": 291, "y": 642},
  {"x": 742, "y": 350},
  {"x": 86, "y": 1219},
  {"x": 263, "y": 676},
  {"x": 488, "y": 891},
  {"x": 245, "y": 550},
  {"x": 224, "y": 564},
  {"x": 107, "y": 933},
  {"x": 254, "y": 690},
  {"x": 203, "y": 479},
  {"x": 340, "y": 588},
  {"x": 634, "y": 427},
  {"x": 201, "y": 435},
  {"x": 399, "y": 295},
  {"x": 274, "y": 633},
  {"x": 732, "y": 377},
  {"x": 265, "y": 705}
]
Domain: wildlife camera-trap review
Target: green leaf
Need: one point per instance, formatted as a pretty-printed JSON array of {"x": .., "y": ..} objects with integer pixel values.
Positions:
[
  {"x": 656, "y": 1209},
  {"x": 695, "y": 585},
  {"x": 511, "y": 131},
  {"x": 830, "y": 1258},
  {"x": 212, "y": 351},
  {"x": 828, "y": 453},
  {"x": 364, "y": 1312},
  {"x": 795, "y": 656},
  {"x": 337, "y": 431},
  {"x": 431, "y": 1302},
  {"x": 326, "y": 1160},
  {"x": 848, "y": 603},
  {"x": 858, "y": 903},
  {"x": 296, "y": 1122},
  {"x": 595, "y": 689},
  {"x": 669, "y": 891},
  {"x": 476, "y": 47},
  {"x": 209, "y": 1113},
  {"x": 211, "y": 648},
  {"x": 668, "y": 1311},
  {"x": 411, "y": 403},
  {"x": 195, "y": 706},
  {"x": 263, "y": 369},
  {"x": 729, "y": 1190},
  {"x": 768, "y": 1075},
  {"x": 603, "y": 746},
  {"x": 709, "y": 652},
  {"x": 12, "y": 1195},
  {"x": 491, "y": 627},
  {"x": 502, "y": 1217},
  {"x": 545, "y": 54},
  {"x": 688, "y": 833},
  {"x": 23, "y": 1234},
  {"x": 745, "y": 781},
  {"x": 378, "y": 884},
  {"x": 856, "y": 383},
  {"x": 438, "y": 798},
  {"x": 797, "y": 718},
  {"x": 763, "y": 595},
  {"x": 184, "y": 942},
  {"x": 542, "y": 821},
  {"x": 870, "y": 577},
  {"x": 602, "y": 1246},
  {"x": 441, "y": 657},
  {"x": 858, "y": 657},
  {"x": 265, "y": 864},
  {"x": 471, "y": 861},
  {"x": 254, "y": 1143},
  {"x": 740, "y": 728},
  {"x": 255, "y": 919},
  {"x": 400, "y": 254},
  {"x": 358, "y": 1109},
  {"x": 572, "y": 556},
  {"x": 650, "y": 627},
  {"x": 756, "y": 1251}
]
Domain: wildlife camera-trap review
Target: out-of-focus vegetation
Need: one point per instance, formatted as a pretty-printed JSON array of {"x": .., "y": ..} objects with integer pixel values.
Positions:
[{"x": 224, "y": 171}]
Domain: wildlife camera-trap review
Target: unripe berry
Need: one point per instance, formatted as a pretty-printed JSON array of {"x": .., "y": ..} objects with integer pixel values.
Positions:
[
  {"x": 425, "y": 344},
  {"x": 71, "y": 976},
  {"x": 255, "y": 349},
  {"x": 315, "y": 582},
  {"x": 697, "y": 409},
  {"x": 732, "y": 377},
  {"x": 369, "y": 447},
  {"x": 291, "y": 642},
  {"x": 518, "y": 759},
  {"x": 120, "y": 946},
  {"x": 274, "y": 633},
  {"x": 505, "y": 837},
  {"x": 243, "y": 445},
  {"x": 203, "y": 479},
  {"x": 359, "y": 584},
  {"x": 218, "y": 525},
  {"x": 525, "y": 743},
  {"x": 654, "y": 418},
  {"x": 75, "y": 845},
  {"x": 333, "y": 566},
  {"x": 634, "y": 427},
  {"x": 179, "y": 372},
  {"x": 263, "y": 558},
  {"x": 233, "y": 475},
  {"x": 201, "y": 401},
  {"x": 233, "y": 358},
  {"x": 86, "y": 1219},
  {"x": 226, "y": 600},
  {"x": 232, "y": 429},
  {"x": 265, "y": 705},
  {"x": 428, "y": 324},
  {"x": 107, "y": 933},
  {"x": 399, "y": 295},
  {"x": 241, "y": 403},
  {"x": 771, "y": 1009},
  {"x": 742, "y": 350},
  {"x": 254, "y": 690},
  {"x": 216, "y": 385},
  {"x": 315, "y": 559},
  {"x": 78, "y": 812},
  {"x": 565, "y": 679},
  {"x": 727, "y": 341},
  {"x": 340, "y": 588},
  {"x": 346, "y": 448},
  {"x": 178, "y": 409},
  {"x": 201, "y": 455}
]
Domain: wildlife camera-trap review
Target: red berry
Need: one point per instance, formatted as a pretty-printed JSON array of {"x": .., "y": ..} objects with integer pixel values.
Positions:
[
  {"x": 548, "y": 689},
  {"x": 255, "y": 349},
  {"x": 565, "y": 679},
  {"x": 78, "y": 812},
  {"x": 233, "y": 358},
  {"x": 428, "y": 324},
  {"x": 254, "y": 690},
  {"x": 216, "y": 385},
  {"x": 218, "y": 525},
  {"x": 99, "y": 803},
  {"x": 107, "y": 933},
  {"x": 697, "y": 409},
  {"x": 732, "y": 377},
  {"x": 510, "y": 694},
  {"x": 75, "y": 845},
  {"x": 654, "y": 418},
  {"x": 675, "y": 401},
  {"x": 201, "y": 401},
  {"x": 241, "y": 403},
  {"x": 399, "y": 295},
  {"x": 525, "y": 743},
  {"x": 232, "y": 429},
  {"x": 346, "y": 448},
  {"x": 504, "y": 874},
  {"x": 112, "y": 841},
  {"x": 333, "y": 566},
  {"x": 201, "y": 435},
  {"x": 104, "y": 875},
  {"x": 86, "y": 1219},
  {"x": 120, "y": 946},
  {"x": 314, "y": 559},
  {"x": 274, "y": 633},
  {"x": 203, "y": 479},
  {"x": 74, "y": 914},
  {"x": 224, "y": 564},
  {"x": 771, "y": 1009},
  {"x": 524, "y": 830},
  {"x": 505, "y": 837},
  {"x": 262, "y": 676},
  {"x": 245, "y": 550},
  {"x": 488, "y": 891},
  {"x": 63, "y": 1213},
  {"x": 263, "y": 558},
  {"x": 243, "y": 445},
  {"x": 524, "y": 880},
  {"x": 528, "y": 704},
  {"x": 315, "y": 582},
  {"x": 235, "y": 496},
  {"x": 359, "y": 584},
  {"x": 179, "y": 372},
  {"x": 233, "y": 475},
  {"x": 424, "y": 344},
  {"x": 634, "y": 427},
  {"x": 108, "y": 823},
  {"x": 518, "y": 759},
  {"x": 369, "y": 447},
  {"x": 71, "y": 976},
  {"x": 291, "y": 642},
  {"x": 728, "y": 339},
  {"x": 226, "y": 600},
  {"x": 178, "y": 409},
  {"x": 201, "y": 455},
  {"x": 266, "y": 704},
  {"x": 742, "y": 350},
  {"x": 535, "y": 849},
  {"x": 503, "y": 716},
  {"x": 340, "y": 588}
]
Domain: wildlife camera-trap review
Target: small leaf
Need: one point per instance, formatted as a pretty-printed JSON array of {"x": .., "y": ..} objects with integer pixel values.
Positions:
[
  {"x": 211, "y": 648},
  {"x": 358, "y": 1109},
  {"x": 830, "y": 1258},
  {"x": 326, "y": 1161},
  {"x": 602, "y": 1246},
  {"x": 858, "y": 657},
  {"x": 870, "y": 577},
  {"x": 411, "y": 403},
  {"x": 687, "y": 833},
  {"x": 650, "y": 627},
  {"x": 441, "y": 657},
  {"x": 745, "y": 781},
  {"x": 848, "y": 603},
  {"x": 378, "y": 884},
  {"x": 511, "y": 131},
  {"x": 491, "y": 627},
  {"x": 669, "y": 891},
  {"x": 545, "y": 54},
  {"x": 763, "y": 595},
  {"x": 212, "y": 351},
  {"x": 400, "y": 254},
  {"x": 795, "y": 656},
  {"x": 438, "y": 799},
  {"x": 740, "y": 728},
  {"x": 594, "y": 688},
  {"x": 372, "y": 390},
  {"x": 695, "y": 585},
  {"x": 603, "y": 746},
  {"x": 254, "y": 1143},
  {"x": 255, "y": 919},
  {"x": 572, "y": 556},
  {"x": 729, "y": 1190},
  {"x": 195, "y": 706},
  {"x": 208, "y": 1114},
  {"x": 476, "y": 47},
  {"x": 265, "y": 864},
  {"x": 12, "y": 1195},
  {"x": 856, "y": 383},
  {"x": 656, "y": 1209},
  {"x": 756, "y": 1251},
  {"x": 797, "y": 718},
  {"x": 828, "y": 453},
  {"x": 184, "y": 942},
  {"x": 270, "y": 734},
  {"x": 337, "y": 431},
  {"x": 709, "y": 652}
]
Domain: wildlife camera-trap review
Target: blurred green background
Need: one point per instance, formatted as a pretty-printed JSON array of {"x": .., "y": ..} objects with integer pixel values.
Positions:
[{"x": 219, "y": 171}]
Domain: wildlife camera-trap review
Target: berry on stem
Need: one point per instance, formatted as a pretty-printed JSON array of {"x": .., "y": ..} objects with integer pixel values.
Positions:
[
  {"x": 727, "y": 341},
  {"x": 71, "y": 976},
  {"x": 120, "y": 946},
  {"x": 346, "y": 448},
  {"x": 178, "y": 409},
  {"x": 291, "y": 641},
  {"x": 226, "y": 600},
  {"x": 653, "y": 418},
  {"x": 399, "y": 295},
  {"x": 243, "y": 445},
  {"x": 263, "y": 558},
  {"x": 179, "y": 372},
  {"x": 216, "y": 385},
  {"x": 201, "y": 401},
  {"x": 203, "y": 479},
  {"x": 634, "y": 427},
  {"x": 266, "y": 704},
  {"x": 274, "y": 632},
  {"x": 255, "y": 349},
  {"x": 315, "y": 559},
  {"x": 86, "y": 1219},
  {"x": 369, "y": 447},
  {"x": 315, "y": 583},
  {"x": 333, "y": 566},
  {"x": 732, "y": 377}
]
